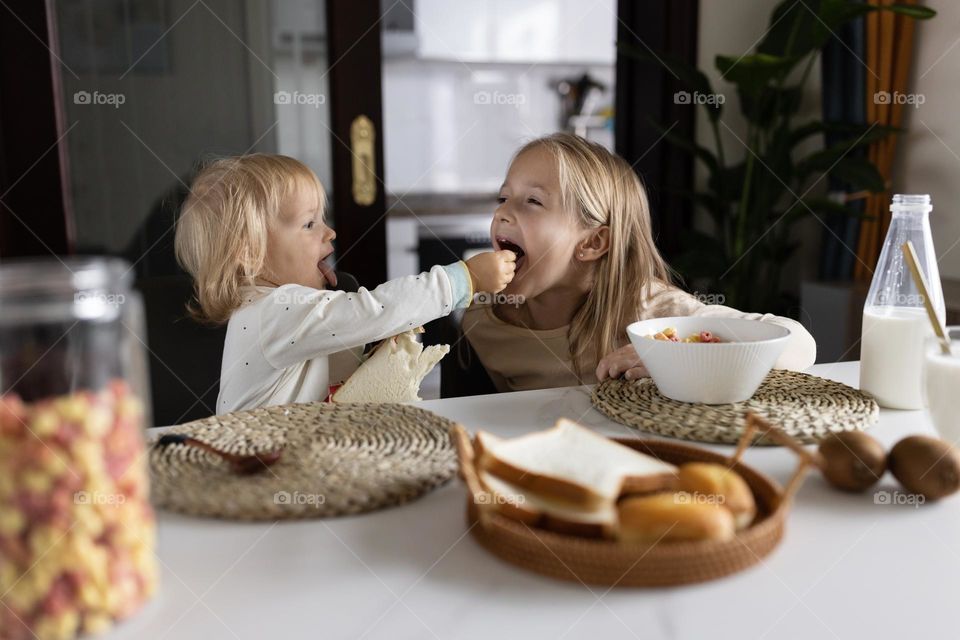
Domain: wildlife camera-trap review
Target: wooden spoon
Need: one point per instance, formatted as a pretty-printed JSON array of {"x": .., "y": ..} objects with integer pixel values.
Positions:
[
  {"x": 921, "y": 283},
  {"x": 242, "y": 465}
]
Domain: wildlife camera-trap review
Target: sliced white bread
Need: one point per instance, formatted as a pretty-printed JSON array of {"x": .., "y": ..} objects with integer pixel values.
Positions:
[
  {"x": 494, "y": 495},
  {"x": 572, "y": 464},
  {"x": 466, "y": 463},
  {"x": 513, "y": 502},
  {"x": 393, "y": 372}
]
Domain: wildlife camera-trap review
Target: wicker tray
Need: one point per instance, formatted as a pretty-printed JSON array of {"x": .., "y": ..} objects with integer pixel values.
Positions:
[
  {"x": 615, "y": 564},
  {"x": 804, "y": 406},
  {"x": 337, "y": 459}
]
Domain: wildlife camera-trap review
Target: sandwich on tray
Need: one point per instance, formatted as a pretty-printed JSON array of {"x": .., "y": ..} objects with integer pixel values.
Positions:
[{"x": 571, "y": 480}]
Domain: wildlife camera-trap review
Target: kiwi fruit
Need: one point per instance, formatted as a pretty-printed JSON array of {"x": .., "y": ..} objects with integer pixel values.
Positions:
[
  {"x": 852, "y": 460},
  {"x": 926, "y": 466}
]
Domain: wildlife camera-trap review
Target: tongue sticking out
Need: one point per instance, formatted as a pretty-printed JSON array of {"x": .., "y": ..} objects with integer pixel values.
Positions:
[{"x": 328, "y": 273}]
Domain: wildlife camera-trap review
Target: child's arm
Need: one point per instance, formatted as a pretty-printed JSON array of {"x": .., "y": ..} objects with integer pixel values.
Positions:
[{"x": 299, "y": 323}]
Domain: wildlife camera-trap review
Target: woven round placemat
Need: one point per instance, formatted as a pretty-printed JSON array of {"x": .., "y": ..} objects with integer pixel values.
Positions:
[
  {"x": 337, "y": 459},
  {"x": 804, "y": 406}
]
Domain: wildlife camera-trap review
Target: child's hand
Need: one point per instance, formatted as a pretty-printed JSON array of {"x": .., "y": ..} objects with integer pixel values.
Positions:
[
  {"x": 492, "y": 271},
  {"x": 624, "y": 361}
]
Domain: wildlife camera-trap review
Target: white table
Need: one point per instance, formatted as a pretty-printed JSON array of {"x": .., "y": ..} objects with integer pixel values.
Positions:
[{"x": 847, "y": 567}]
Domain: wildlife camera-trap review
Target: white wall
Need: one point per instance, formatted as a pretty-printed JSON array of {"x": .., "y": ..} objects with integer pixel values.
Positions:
[
  {"x": 928, "y": 155},
  {"x": 450, "y": 127}
]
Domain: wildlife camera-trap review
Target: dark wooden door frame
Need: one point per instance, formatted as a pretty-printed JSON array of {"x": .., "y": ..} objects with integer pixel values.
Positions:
[
  {"x": 35, "y": 203},
  {"x": 354, "y": 76},
  {"x": 645, "y": 92}
]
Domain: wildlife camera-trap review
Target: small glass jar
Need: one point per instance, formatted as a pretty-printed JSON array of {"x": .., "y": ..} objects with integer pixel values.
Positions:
[
  {"x": 77, "y": 533},
  {"x": 941, "y": 383}
]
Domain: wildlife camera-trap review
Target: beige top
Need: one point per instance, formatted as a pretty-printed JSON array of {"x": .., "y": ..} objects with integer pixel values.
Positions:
[{"x": 519, "y": 359}]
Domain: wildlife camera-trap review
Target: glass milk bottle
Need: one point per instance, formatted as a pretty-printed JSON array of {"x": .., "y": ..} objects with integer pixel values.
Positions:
[{"x": 895, "y": 324}]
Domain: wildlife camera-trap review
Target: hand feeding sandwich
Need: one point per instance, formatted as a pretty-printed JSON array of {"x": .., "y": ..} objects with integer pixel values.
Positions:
[
  {"x": 393, "y": 372},
  {"x": 572, "y": 480}
]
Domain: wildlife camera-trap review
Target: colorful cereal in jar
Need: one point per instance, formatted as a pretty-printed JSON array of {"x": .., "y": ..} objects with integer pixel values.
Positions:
[{"x": 77, "y": 531}]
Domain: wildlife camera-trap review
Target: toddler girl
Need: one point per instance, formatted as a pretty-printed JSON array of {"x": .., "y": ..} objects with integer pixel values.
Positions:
[
  {"x": 576, "y": 216},
  {"x": 251, "y": 233}
]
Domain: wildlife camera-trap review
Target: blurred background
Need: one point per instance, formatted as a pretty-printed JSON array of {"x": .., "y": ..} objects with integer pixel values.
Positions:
[{"x": 410, "y": 110}]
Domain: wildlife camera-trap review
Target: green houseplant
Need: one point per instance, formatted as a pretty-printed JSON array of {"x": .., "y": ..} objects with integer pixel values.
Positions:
[{"x": 754, "y": 204}]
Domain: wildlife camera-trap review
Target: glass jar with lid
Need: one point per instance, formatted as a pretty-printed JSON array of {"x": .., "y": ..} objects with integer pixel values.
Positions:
[{"x": 77, "y": 532}]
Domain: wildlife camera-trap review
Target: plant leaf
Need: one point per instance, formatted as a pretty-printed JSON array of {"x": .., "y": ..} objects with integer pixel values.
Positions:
[
  {"x": 860, "y": 173},
  {"x": 865, "y": 133},
  {"x": 830, "y": 207},
  {"x": 769, "y": 103},
  {"x": 825, "y": 207},
  {"x": 754, "y": 71},
  {"x": 915, "y": 11},
  {"x": 798, "y": 28},
  {"x": 790, "y": 17}
]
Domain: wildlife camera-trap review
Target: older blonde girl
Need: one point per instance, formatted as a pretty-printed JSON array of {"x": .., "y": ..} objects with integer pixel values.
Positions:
[{"x": 577, "y": 218}]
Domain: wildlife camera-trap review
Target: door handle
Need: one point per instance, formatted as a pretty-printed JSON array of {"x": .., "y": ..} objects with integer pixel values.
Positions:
[{"x": 362, "y": 138}]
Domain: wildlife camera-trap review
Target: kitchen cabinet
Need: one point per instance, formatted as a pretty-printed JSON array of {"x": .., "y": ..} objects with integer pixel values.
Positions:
[{"x": 517, "y": 31}]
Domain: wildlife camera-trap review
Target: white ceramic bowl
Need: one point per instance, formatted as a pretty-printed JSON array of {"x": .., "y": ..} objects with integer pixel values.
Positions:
[{"x": 709, "y": 373}]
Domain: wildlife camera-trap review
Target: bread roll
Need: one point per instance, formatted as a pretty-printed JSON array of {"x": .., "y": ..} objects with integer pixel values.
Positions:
[
  {"x": 717, "y": 480},
  {"x": 671, "y": 517}
]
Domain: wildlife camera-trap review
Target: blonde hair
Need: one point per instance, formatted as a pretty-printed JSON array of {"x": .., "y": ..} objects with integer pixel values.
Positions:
[
  {"x": 602, "y": 189},
  {"x": 221, "y": 237}
]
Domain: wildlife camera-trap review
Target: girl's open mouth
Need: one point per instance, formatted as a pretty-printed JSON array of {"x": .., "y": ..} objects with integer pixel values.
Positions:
[{"x": 509, "y": 245}]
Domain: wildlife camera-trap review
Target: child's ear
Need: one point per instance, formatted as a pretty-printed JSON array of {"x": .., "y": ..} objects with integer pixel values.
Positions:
[{"x": 595, "y": 245}]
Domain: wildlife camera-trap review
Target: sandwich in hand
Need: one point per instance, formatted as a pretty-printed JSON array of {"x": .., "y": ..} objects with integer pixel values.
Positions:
[{"x": 393, "y": 372}]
